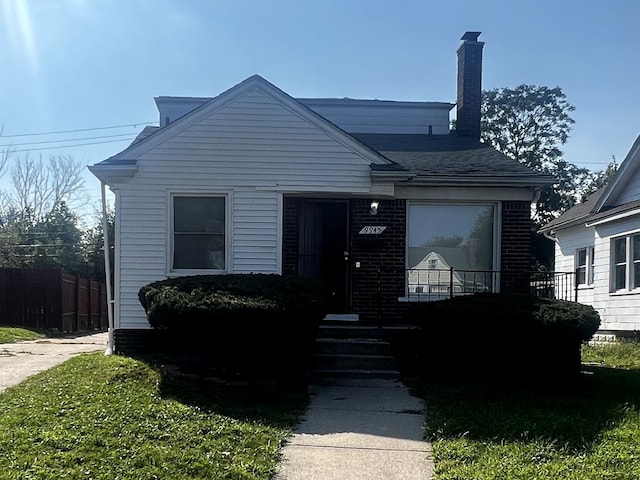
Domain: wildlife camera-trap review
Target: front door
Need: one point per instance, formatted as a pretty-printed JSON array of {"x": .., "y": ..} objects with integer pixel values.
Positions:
[{"x": 323, "y": 248}]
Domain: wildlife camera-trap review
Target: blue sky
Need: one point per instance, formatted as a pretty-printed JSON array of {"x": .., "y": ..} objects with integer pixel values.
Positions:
[{"x": 87, "y": 64}]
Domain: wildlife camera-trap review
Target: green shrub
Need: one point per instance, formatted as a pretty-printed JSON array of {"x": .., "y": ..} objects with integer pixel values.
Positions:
[
  {"x": 498, "y": 335},
  {"x": 250, "y": 324}
]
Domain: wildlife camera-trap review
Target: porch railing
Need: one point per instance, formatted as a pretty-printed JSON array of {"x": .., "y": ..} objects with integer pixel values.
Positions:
[{"x": 438, "y": 284}]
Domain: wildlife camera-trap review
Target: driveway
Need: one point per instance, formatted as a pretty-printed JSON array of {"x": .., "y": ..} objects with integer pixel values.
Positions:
[{"x": 23, "y": 359}]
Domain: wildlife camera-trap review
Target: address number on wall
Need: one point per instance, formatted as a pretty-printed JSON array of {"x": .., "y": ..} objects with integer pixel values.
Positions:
[{"x": 372, "y": 230}]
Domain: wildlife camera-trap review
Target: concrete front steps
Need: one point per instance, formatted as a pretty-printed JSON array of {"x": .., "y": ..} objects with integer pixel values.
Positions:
[{"x": 351, "y": 358}]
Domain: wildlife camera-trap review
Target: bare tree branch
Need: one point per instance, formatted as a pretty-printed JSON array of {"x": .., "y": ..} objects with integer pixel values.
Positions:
[{"x": 38, "y": 186}]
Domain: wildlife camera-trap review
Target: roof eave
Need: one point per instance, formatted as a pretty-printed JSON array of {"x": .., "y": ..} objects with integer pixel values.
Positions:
[
  {"x": 457, "y": 180},
  {"x": 563, "y": 225},
  {"x": 613, "y": 217},
  {"x": 108, "y": 173},
  {"x": 396, "y": 176}
]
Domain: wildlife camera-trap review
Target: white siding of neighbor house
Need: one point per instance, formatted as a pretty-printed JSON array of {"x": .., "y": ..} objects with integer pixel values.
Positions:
[
  {"x": 618, "y": 311},
  {"x": 631, "y": 191},
  {"x": 250, "y": 150},
  {"x": 569, "y": 241}
]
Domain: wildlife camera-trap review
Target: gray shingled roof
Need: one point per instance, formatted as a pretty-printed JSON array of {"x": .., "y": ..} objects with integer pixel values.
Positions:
[
  {"x": 445, "y": 155},
  {"x": 575, "y": 214},
  {"x": 146, "y": 131},
  {"x": 584, "y": 212},
  {"x": 403, "y": 142}
]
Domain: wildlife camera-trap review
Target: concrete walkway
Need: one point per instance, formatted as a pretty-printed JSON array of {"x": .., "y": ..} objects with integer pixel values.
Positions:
[
  {"x": 20, "y": 360},
  {"x": 359, "y": 429}
]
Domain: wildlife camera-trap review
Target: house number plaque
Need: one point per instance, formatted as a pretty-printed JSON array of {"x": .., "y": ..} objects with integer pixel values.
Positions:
[{"x": 372, "y": 230}]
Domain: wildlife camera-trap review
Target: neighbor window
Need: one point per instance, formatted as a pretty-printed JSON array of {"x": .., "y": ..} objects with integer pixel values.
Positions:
[
  {"x": 584, "y": 266},
  {"x": 625, "y": 262},
  {"x": 198, "y": 232},
  {"x": 457, "y": 236}
]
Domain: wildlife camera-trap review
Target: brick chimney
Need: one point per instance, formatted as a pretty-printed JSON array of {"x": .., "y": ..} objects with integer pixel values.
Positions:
[{"x": 469, "y": 85}]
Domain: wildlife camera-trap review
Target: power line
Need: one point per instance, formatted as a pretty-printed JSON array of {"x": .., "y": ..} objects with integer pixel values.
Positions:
[
  {"x": 65, "y": 140},
  {"x": 134, "y": 125},
  {"x": 72, "y": 145}
]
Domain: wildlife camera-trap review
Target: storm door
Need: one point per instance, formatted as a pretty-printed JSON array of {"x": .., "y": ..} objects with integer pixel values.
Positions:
[{"x": 323, "y": 248}]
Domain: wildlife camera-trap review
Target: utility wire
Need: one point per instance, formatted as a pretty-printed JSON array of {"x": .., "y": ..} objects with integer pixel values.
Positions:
[
  {"x": 65, "y": 140},
  {"x": 72, "y": 145},
  {"x": 135, "y": 125}
]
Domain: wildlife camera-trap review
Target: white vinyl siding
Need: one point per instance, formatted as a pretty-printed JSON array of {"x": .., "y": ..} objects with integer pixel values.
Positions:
[
  {"x": 252, "y": 150},
  {"x": 256, "y": 216},
  {"x": 358, "y": 116},
  {"x": 372, "y": 116},
  {"x": 619, "y": 310},
  {"x": 631, "y": 191}
]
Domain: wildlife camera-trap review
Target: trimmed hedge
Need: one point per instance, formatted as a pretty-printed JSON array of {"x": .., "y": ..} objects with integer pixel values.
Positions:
[
  {"x": 498, "y": 336},
  {"x": 247, "y": 324}
]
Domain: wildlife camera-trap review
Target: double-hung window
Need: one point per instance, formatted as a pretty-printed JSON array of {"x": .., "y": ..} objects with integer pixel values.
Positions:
[
  {"x": 584, "y": 266},
  {"x": 625, "y": 263},
  {"x": 198, "y": 232}
]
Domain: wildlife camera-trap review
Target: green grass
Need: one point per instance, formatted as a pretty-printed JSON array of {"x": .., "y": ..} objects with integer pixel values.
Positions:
[
  {"x": 99, "y": 417},
  {"x": 13, "y": 334},
  {"x": 619, "y": 354},
  {"x": 582, "y": 430}
]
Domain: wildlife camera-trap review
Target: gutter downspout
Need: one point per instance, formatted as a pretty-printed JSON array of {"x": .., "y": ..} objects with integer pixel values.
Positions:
[{"x": 107, "y": 268}]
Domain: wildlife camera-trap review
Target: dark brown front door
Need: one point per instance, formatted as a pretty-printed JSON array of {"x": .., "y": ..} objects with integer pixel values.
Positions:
[{"x": 323, "y": 248}]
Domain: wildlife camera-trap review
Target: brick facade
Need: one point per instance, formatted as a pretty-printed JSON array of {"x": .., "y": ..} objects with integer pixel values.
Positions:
[
  {"x": 290, "y": 236},
  {"x": 516, "y": 246},
  {"x": 380, "y": 279}
]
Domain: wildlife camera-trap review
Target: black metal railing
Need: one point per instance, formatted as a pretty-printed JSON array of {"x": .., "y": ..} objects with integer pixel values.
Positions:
[{"x": 438, "y": 284}]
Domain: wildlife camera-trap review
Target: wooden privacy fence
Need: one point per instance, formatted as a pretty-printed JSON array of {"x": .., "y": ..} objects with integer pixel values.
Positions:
[{"x": 53, "y": 299}]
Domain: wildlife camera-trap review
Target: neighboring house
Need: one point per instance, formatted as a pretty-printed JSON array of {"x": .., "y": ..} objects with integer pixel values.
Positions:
[
  {"x": 342, "y": 190},
  {"x": 599, "y": 239},
  {"x": 432, "y": 276}
]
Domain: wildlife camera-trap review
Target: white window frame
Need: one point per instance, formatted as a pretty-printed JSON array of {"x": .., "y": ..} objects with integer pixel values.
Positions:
[
  {"x": 497, "y": 229},
  {"x": 170, "y": 233},
  {"x": 629, "y": 265},
  {"x": 588, "y": 266}
]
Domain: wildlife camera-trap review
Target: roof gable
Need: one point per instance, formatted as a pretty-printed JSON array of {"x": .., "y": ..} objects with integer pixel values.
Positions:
[
  {"x": 621, "y": 194},
  {"x": 622, "y": 181},
  {"x": 143, "y": 144}
]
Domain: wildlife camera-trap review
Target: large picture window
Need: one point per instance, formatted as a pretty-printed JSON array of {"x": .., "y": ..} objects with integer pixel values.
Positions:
[
  {"x": 625, "y": 263},
  {"x": 198, "y": 232},
  {"x": 450, "y": 249}
]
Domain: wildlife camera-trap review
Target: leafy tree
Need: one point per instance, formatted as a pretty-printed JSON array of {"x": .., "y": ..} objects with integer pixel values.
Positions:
[
  {"x": 530, "y": 123},
  {"x": 95, "y": 247},
  {"x": 603, "y": 177},
  {"x": 55, "y": 240},
  {"x": 442, "y": 241}
]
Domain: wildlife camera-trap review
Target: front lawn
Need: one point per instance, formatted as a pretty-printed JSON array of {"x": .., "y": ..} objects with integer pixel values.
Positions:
[
  {"x": 115, "y": 417},
  {"x": 13, "y": 334},
  {"x": 589, "y": 429}
]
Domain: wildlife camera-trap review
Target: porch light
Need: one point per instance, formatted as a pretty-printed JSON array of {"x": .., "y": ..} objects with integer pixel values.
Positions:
[{"x": 373, "y": 208}]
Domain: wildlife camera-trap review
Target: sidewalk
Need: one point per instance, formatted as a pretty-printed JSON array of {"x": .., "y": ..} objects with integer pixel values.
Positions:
[
  {"x": 359, "y": 429},
  {"x": 20, "y": 360}
]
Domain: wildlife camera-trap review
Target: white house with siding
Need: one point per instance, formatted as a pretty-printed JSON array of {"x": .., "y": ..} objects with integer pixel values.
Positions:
[
  {"x": 600, "y": 240},
  {"x": 254, "y": 180}
]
